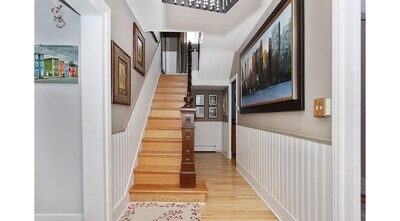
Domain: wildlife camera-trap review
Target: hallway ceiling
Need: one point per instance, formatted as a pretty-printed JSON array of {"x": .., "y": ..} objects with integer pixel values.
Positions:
[{"x": 223, "y": 33}]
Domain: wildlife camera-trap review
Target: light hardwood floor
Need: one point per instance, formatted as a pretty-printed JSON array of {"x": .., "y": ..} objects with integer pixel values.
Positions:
[{"x": 229, "y": 196}]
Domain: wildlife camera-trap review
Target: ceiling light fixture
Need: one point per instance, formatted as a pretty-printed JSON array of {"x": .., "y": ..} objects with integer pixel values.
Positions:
[{"x": 221, "y": 6}]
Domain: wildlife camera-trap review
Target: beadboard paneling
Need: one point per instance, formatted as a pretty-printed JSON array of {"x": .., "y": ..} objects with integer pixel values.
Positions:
[
  {"x": 293, "y": 176},
  {"x": 208, "y": 136},
  {"x": 126, "y": 144}
]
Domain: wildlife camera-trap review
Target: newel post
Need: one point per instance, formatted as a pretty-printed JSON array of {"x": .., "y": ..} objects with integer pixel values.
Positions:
[{"x": 188, "y": 173}]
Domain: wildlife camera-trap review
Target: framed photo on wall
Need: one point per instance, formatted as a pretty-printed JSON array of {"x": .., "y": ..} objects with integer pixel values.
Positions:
[
  {"x": 213, "y": 99},
  {"x": 200, "y": 99},
  {"x": 212, "y": 112},
  {"x": 272, "y": 64},
  {"x": 199, "y": 112},
  {"x": 56, "y": 64},
  {"x": 139, "y": 50},
  {"x": 120, "y": 75}
]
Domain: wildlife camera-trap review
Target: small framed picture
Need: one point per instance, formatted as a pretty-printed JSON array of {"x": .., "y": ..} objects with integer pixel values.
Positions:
[
  {"x": 212, "y": 99},
  {"x": 139, "y": 50},
  {"x": 120, "y": 75},
  {"x": 199, "y": 112},
  {"x": 199, "y": 99},
  {"x": 212, "y": 112}
]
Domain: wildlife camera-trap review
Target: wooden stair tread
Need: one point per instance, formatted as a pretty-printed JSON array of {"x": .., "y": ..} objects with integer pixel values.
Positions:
[
  {"x": 170, "y": 100},
  {"x": 158, "y": 169},
  {"x": 163, "y": 128},
  {"x": 201, "y": 188},
  {"x": 164, "y": 118},
  {"x": 152, "y": 139},
  {"x": 160, "y": 153},
  {"x": 165, "y": 86}
]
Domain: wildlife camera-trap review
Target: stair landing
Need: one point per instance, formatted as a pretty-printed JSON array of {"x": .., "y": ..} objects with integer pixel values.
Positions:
[{"x": 169, "y": 193}]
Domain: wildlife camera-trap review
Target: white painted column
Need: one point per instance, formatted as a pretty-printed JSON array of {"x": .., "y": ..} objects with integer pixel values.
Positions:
[{"x": 346, "y": 109}]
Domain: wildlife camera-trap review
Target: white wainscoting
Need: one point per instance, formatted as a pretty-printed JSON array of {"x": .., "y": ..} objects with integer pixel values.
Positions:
[
  {"x": 225, "y": 139},
  {"x": 208, "y": 136},
  {"x": 293, "y": 176},
  {"x": 126, "y": 144}
]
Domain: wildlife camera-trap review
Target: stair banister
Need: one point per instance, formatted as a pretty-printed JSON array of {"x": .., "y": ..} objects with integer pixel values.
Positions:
[{"x": 188, "y": 173}]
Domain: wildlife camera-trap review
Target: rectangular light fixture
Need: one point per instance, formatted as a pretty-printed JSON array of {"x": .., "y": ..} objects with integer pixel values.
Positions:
[{"x": 221, "y": 6}]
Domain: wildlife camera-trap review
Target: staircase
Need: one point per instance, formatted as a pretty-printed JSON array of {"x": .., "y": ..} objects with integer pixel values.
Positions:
[{"x": 157, "y": 177}]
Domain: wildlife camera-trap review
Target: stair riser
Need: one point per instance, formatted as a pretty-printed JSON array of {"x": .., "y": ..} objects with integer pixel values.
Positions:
[
  {"x": 167, "y": 197},
  {"x": 163, "y": 134},
  {"x": 164, "y": 123},
  {"x": 175, "y": 105},
  {"x": 172, "y": 84},
  {"x": 160, "y": 160},
  {"x": 159, "y": 146},
  {"x": 166, "y": 113},
  {"x": 157, "y": 178},
  {"x": 168, "y": 97},
  {"x": 172, "y": 90}
]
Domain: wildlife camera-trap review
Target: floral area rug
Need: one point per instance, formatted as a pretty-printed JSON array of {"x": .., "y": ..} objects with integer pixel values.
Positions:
[{"x": 162, "y": 212}]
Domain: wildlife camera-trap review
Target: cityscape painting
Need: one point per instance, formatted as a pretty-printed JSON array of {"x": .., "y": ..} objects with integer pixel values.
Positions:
[
  {"x": 268, "y": 74},
  {"x": 56, "y": 64}
]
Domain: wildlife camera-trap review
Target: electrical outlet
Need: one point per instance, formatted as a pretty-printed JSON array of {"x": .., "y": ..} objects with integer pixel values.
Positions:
[{"x": 322, "y": 107}]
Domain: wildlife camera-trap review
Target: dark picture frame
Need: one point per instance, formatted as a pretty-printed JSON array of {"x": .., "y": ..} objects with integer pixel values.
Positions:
[
  {"x": 199, "y": 100},
  {"x": 212, "y": 112},
  {"x": 213, "y": 99},
  {"x": 200, "y": 112},
  {"x": 120, "y": 75},
  {"x": 277, "y": 81},
  {"x": 139, "y": 50}
]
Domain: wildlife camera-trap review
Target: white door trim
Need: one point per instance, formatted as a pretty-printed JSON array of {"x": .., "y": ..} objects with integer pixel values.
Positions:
[
  {"x": 234, "y": 78},
  {"x": 96, "y": 107},
  {"x": 346, "y": 109}
]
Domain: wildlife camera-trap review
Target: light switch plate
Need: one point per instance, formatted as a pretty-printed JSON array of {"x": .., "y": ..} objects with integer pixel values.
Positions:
[{"x": 322, "y": 107}]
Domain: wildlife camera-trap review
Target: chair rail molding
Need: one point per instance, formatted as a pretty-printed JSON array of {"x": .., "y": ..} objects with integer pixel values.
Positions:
[{"x": 346, "y": 109}]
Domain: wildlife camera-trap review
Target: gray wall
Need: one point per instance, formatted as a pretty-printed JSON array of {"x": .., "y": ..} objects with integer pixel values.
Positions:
[
  {"x": 219, "y": 104},
  {"x": 58, "y": 125},
  {"x": 122, "y": 33},
  {"x": 318, "y": 73}
]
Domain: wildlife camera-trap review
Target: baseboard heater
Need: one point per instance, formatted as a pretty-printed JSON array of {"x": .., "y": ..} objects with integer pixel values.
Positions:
[{"x": 206, "y": 148}]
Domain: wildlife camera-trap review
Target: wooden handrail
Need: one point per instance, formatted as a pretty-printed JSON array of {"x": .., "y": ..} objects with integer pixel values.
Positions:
[{"x": 188, "y": 173}]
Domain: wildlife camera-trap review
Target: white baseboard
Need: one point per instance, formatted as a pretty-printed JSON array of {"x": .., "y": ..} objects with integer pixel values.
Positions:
[
  {"x": 205, "y": 148},
  {"x": 58, "y": 217},
  {"x": 279, "y": 211},
  {"x": 119, "y": 210}
]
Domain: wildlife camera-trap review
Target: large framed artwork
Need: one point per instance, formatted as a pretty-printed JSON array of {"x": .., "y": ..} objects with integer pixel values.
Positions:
[
  {"x": 56, "y": 64},
  {"x": 139, "y": 50},
  {"x": 120, "y": 75},
  {"x": 272, "y": 64}
]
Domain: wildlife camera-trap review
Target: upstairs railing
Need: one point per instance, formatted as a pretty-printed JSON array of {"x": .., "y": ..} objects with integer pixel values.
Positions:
[{"x": 188, "y": 173}]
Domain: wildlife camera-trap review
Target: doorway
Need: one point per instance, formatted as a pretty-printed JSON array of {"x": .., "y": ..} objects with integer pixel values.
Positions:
[{"x": 233, "y": 120}]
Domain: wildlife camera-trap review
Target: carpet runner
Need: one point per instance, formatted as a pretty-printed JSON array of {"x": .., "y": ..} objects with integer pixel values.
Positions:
[{"x": 140, "y": 211}]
